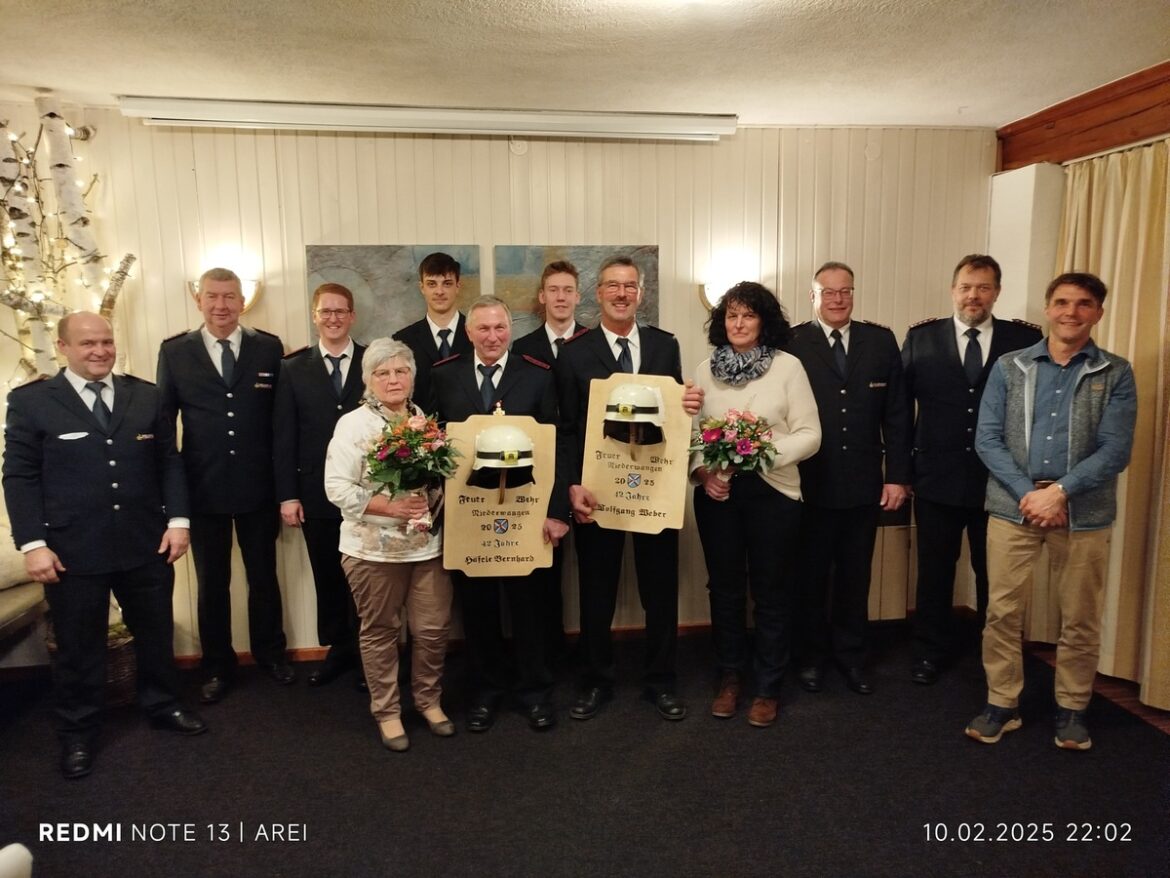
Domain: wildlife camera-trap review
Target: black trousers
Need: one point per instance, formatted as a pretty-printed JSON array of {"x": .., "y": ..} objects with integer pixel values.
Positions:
[
  {"x": 553, "y": 606},
  {"x": 940, "y": 542},
  {"x": 750, "y": 539},
  {"x": 836, "y": 556},
  {"x": 599, "y": 563},
  {"x": 490, "y": 673},
  {"x": 337, "y": 622},
  {"x": 80, "y": 608},
  {"x": 211, "y": 550}
]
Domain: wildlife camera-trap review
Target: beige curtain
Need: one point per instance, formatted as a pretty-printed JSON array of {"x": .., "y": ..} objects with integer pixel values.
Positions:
[{"x": 1115, "y": 225}]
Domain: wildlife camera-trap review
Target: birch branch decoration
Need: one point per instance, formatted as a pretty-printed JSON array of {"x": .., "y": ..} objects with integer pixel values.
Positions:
[{"x": 47, "y": 237}]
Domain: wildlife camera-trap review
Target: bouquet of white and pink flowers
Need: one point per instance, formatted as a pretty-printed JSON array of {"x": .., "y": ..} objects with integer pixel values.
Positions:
[
  {"x": 738, "y": 441},
  {"x": 412, "y": 454}
]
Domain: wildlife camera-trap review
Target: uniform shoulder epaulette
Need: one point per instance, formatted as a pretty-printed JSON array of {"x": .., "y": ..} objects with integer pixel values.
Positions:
[
  {"x": 535, "y": 362},
  {"x": 655, "y": 329},
  {"x": 576, "y": 335},
  {"x": 926, "y": 321},
  {"x": 296, "y": 353},
  {"x": 30, "y": 383},
  {"x": 873, "y": 323},
  {"x": 446, "y": 360},
  {"x": 176, "y": 335},
  {"x": 1028, "y": 323}
]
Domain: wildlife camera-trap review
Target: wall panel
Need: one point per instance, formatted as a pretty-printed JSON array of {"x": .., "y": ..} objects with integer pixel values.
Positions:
[{"x": 899, "y": 205}]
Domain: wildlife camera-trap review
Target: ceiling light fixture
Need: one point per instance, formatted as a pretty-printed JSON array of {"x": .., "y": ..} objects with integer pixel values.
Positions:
[{"x": 193, "y": 112}]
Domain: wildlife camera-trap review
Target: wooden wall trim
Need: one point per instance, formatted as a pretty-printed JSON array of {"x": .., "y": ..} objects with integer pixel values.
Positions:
[{"x": 1126, "y": 111}]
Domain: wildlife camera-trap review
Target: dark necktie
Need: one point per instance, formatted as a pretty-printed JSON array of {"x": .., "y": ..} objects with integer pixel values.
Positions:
[
  {"x": 487, "y": 390},
  {"x": 335, "y": 375},
  {"x": 444, "y": 344},
  {"x": 624, "y": 360},
  {"x": 227, "y": 360},
  {"x": 558, "y": 343},
  {"x": 973, "y": 357},
  {"x": 838, "y": 351},
  {"x": 100, "y": 410}
]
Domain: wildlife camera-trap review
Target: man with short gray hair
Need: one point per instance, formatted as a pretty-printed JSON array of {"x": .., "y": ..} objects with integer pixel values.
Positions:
[{"x": 222, "y": 378}]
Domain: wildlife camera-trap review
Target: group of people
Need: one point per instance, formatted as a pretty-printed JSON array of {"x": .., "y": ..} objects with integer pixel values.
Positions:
[{"x": 100, "y": 499}]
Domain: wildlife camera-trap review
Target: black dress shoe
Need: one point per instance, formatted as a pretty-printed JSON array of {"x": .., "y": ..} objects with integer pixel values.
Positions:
[
  {"x": 76, "y": 759},
  {"x": 542, "y": 716},
  {"x": 282, "y": 672},
  {"x": 481, "y": 718},
  {"x": 810, "y": 679},
  {"x": 589, "y": 702},
  {"x": 924, "y": 672},
  {"x": 855, "y": 680},
  {"x": 668, "y": 705},
  {"x": 214, "y": 689},
  {"x": 181, "y": 720},
  {"x": 329, "y": 671}
]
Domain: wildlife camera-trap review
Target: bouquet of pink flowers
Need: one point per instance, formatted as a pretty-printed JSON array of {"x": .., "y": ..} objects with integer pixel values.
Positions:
[
  {"x": 411, "y": 453},
  {"x": 738, "y": 441}
]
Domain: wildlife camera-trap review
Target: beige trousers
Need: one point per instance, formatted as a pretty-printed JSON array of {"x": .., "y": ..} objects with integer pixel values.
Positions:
[
  {"x": 1079, "y": 560},
  {"x": 381, "y": 590}
]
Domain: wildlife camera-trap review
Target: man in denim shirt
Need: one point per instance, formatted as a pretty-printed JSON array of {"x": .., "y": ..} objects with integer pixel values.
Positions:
[{"x": 1055, "y": 430}]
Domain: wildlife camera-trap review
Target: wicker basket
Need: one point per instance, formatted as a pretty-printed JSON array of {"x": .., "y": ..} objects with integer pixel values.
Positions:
[{"x": 121, "y": 664}]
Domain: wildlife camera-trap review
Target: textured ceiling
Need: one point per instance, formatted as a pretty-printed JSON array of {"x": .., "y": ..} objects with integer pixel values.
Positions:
[{"x": 771, "y": 62}]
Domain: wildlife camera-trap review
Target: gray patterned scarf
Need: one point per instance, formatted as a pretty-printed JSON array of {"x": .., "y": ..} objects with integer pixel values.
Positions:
[{"x": 738, "y": 369}]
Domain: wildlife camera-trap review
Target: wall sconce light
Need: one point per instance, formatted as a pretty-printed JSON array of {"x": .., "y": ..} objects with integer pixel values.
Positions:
[
  {"x": 250, "y": 289},
  {"x": 726, "y": 268}
]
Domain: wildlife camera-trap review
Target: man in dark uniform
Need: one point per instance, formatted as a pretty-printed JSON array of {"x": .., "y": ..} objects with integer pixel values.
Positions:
[
  {"x": 946, "y": 362},
  {"x": 559, "y": 296},
  {"x": 856, "y": 375},
  {"x": 442, "y": 332},
  {"x": 318, "y": 384},
  {"x": 619, "y": 344},
  {"x": 98, "y": 503},
  {"x": 222, "y": 378},
  {"x": 520, "y": 385}
]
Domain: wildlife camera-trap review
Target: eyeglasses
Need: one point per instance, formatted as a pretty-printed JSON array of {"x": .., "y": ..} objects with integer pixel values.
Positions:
[
  {"x": 613, "y": 287},
  {"x": 383, "y": 374},
  {"x": 843, "y": 293},
  {"x": 330, "y": 313}
]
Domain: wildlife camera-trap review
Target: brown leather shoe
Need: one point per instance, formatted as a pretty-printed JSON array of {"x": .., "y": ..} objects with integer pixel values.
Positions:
[
  {"x": 725, "y": 702},
  {"x": 763, "y": 712}
]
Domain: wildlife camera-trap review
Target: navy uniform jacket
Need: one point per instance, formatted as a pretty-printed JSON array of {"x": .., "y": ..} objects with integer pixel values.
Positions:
[
  {"x": 418, "y": 338},
  {"x": 526, "y": 387},
  {"x": 588, "y": 356},
  {"x": 946, "y": 468},
  {"x": 101, "y": 499},
  {"x": 305, "y": 416},
  {"x": 536, "y": 344},
  {"x": 227, "y": 431},
  {"x": 865, "y": 416}
]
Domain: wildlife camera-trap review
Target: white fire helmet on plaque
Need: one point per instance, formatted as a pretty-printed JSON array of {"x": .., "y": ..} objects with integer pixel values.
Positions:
[
  {"x": 503, "y": 450},
  {"x": 634, "y": 414}
]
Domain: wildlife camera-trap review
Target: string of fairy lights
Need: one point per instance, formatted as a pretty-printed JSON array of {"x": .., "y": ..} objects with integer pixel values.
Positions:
[{"x": 47, "y": 242}]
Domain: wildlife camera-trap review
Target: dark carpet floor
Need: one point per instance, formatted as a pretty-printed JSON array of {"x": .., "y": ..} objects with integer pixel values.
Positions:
[{"x": 842, "y": 785}]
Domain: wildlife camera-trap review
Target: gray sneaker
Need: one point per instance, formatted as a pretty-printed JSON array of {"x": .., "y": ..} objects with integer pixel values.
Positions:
[
  {"x": 1071, "y": 731},
  {"x": 989, "y": 726}
]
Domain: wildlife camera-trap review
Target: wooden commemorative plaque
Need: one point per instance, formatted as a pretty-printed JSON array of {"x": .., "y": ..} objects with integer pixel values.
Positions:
[
  {"x": 636, "y": 452},
  {"x": 496, "y": 527}
]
